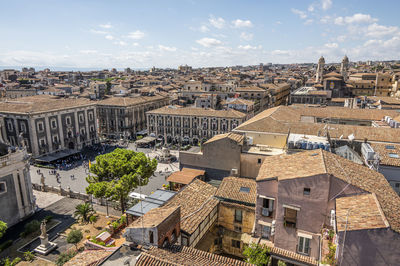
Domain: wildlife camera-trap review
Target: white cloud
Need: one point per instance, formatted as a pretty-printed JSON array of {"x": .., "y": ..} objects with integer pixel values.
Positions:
[
  {"x": 242, "y": 23},
  {"x": 325, "y": 19},
  {"x": 341, "y": 38},
  {"x": 136, "y": 35},
  {"x": 311, "y": 8},
  {"x": 88, "y": 51},
  {"x": 280, "y": 52},
  {"x": 99, "y": 32},
  {"x": 208, "y": 42},
  {"x": 355, "y": 19},
  {"x": 218, "y": 23},
  {"x": 308, "y": 22},
  {"x": 105, "y": 26},
  {"x": 326, "y": 4},
  {"x": 375, "y": 30},
  {"x": 249, "y": 47},
  {"x": 204, "y": 28},
  {"x": 122, "y": 43},
  {"x": 166, "y": 48},
  {"x": 331, "y": 45},
  {"x": 109, "y": 37},
  {"x": 278, "y": 22},
  {"x": 300, "y": 13},
  {"x": 246, "y": 36},
  {"x": 135, "y": 44}
]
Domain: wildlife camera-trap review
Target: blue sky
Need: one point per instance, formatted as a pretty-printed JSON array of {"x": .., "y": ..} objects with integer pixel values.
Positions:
[{"x": 140, "y": 34}]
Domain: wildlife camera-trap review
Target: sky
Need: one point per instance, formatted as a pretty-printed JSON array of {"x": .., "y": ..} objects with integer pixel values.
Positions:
[{"x": 141, "y": 34}]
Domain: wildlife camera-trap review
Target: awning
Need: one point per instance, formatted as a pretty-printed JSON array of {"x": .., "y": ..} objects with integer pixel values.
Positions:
[
  {"x": 56, "y": 156},
  {"x": 145, "y": 140},
  {"x": 185, "y": 176}
]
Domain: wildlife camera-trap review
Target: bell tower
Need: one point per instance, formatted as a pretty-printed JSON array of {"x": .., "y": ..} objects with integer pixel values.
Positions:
[
  {"x": 344, "y": 67},
  {"x": 320, "y": 69}
]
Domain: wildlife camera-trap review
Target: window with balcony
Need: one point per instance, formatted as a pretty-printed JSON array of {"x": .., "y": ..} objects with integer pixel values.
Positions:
[
  {"x": 10, "y": 126},
  {"x": 303, "y": 246},
  {"x": 238, "y": 216},
  {"x": 40, "y": 127},
  {"x": 53, "y": 123},
  {"x": 3, "y": 187},
  {"x": 268, "y": 207},
  {"x": 265, "y": 231},
  {"x": 290, "y": 217},
  {"x": 68, "y": 120},
  {"x": 235, "y": 243}
]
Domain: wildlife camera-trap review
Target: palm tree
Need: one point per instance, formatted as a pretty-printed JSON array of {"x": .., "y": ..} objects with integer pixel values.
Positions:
[{"x": 84, "y": 211}]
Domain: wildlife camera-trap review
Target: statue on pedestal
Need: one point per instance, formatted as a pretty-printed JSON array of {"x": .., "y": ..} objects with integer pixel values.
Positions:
[{"x": 45, "y": 245}]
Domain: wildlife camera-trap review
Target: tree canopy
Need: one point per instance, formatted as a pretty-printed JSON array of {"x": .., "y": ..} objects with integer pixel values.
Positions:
[
  {"x": 3, "y": 228},
  {"x": 117, "y": 173},
  {"x": 257, "y": 254}
]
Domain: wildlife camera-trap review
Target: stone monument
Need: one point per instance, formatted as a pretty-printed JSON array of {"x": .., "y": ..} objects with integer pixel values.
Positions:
[{"x": 45, "y": 245}]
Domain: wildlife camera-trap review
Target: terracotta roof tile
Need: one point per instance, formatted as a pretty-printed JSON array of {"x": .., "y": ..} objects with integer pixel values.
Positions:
[
  {"x": 196, "y": 201},
  {"x": 238, "y": 138},
  {"x": 172, "y": 110},
  {"x": 185, "y": 176},
  {"x": 238, "y": 189},
  {"x": 383, "y": 151},
  {"x": 359, "y": 212},
  {"x": 180, "y": 255}
]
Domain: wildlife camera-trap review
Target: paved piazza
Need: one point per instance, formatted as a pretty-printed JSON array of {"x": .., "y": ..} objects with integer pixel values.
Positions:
[{"x": 78, "y": 182}]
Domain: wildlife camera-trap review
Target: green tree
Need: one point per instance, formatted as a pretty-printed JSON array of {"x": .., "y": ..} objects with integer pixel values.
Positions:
[
  {"x": 83, "y": 212},
  {"x": 9, "y": 262},
  {"x": 119, "y": 172},
  {"x": 3, "y": 228},
  {"x": 108, "y": 87},
  {"x": 29, "y": 256},
  {"x": 74, "y": 237},
  {"x": 257, "y": 254}
]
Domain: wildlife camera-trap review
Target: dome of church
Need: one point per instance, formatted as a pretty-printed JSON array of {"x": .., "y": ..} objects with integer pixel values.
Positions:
[
  {"x": 345, "y": 59},
  {"x": 321, "y": 60}
]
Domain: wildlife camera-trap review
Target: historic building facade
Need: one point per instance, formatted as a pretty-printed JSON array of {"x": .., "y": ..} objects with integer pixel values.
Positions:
[
  {"x": 123, "y": 117},
  {"x": 49, "y": 124},
  {"x": 191, "y": 125},
  {"x": 16, "y": 197}
]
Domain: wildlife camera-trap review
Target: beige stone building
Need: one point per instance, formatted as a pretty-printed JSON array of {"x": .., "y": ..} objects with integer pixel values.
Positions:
[
  {"x": 50, "y": 124},
  {"x": 236, "y": 211},
  {"x": 123, "y": 117},
  {"x": 191, "y": 125}
]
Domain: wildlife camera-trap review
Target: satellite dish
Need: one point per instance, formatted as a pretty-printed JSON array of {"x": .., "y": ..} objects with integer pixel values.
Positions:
[
  {"x": 351, "y": 137},
  {"x": 341, "y": 137}
]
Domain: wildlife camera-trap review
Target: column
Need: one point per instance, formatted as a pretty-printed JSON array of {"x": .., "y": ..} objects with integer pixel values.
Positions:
[
  {"x": 78, "y": 139},
  {"x": 60, "y": 131},
  {"x": 87, "y": 125},
  {"x": 48, "y": 134},
  {"x": 33, "y": 136}
]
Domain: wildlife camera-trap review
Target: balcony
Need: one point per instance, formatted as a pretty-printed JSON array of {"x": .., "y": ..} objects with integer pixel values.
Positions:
[
  {"x": 303, "y": 250},
  {"x": 266, "y": 212},
  {"x": 289, "y": 221}
]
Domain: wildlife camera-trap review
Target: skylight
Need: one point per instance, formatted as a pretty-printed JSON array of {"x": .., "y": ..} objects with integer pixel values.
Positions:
[
  {"x": 394, "y": 155},
  {"x": 245, "y": 189},
  {"x": 389, "y": 147}
]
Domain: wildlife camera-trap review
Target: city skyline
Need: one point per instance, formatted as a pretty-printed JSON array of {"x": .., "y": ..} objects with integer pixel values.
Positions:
[{"x": 99, "y": 34}]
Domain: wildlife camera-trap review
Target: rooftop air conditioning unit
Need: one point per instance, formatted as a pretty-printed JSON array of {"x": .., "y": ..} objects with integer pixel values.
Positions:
[
  {"x": 333, "y": 218},
  {"x": 249, "y": 140},
  {"x": 234, "y": 171},
  {"x": 273, "y": 227}
]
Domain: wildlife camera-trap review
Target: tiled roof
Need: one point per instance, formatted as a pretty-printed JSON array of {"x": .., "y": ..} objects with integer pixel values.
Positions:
[
  {"x": 314, "y": 162},
  {"x": 282, "y": 118},
  {"x": 359, "y": 212},
  {"x": 230, "y": 188},
  {"x": 286, "y": 254},
  {"x": 89, "y": 257},
  {"x": 42, "y": 103},
  {"x": 127, "y": 101},
  {"x": 232, "y": 136},
  {"x": 196, "y": 201},
  {"x": 383, "y": 152},
  {"x": 191, "y": 111},
  {"x": 153, "y": 217},
  {"x": 180, "y": 255},
  {"x": 185, "y": 176},
  {"x": 250, "y": 89}
]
